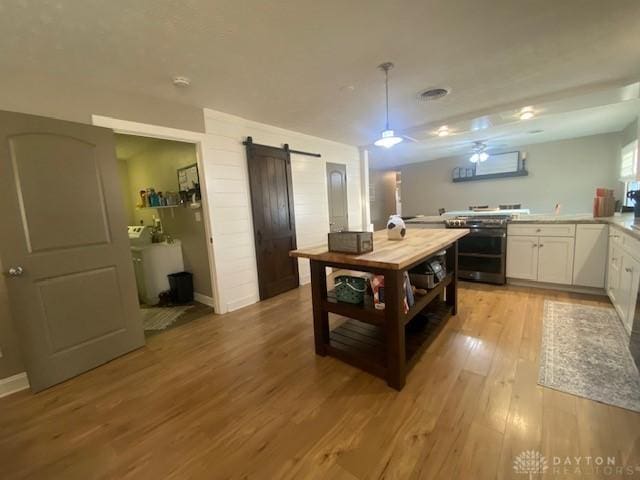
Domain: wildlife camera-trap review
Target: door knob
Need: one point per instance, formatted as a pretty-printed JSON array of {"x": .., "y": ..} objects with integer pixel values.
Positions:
[{"x": 15, "y": 271}]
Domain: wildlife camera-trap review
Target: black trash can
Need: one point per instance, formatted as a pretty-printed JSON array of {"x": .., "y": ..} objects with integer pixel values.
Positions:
[{"x": 181, "y": 285}]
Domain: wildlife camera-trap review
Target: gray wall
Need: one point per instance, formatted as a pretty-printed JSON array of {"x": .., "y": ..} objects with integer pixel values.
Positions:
[
  {"x": 631, "y": 132},
  {"x": 382, "y": 191},
  {"x": 565, "y": 172}
]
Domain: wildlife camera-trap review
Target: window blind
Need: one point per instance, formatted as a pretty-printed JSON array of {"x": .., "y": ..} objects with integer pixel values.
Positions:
[{"x": 629, "y": 161}]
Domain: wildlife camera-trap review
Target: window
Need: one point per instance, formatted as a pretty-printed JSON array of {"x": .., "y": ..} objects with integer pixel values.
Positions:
[
  {"x": 629, "y": 187},
  {"x": 629, "y": 162}
]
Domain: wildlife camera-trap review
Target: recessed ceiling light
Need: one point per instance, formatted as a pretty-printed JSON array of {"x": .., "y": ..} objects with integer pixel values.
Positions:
[
  {"x": 181, "y": 81},
  {"x": 443, "y": 131},
  {"x": 527, "y": 113},
  {"x": 431, "y": 94}
]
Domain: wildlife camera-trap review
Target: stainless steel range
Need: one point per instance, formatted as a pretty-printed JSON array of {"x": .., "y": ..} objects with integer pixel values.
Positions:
[{"x": 482, "y": 254}]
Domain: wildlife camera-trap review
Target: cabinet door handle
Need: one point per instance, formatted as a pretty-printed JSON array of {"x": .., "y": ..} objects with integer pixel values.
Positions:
[
  {"x": 541, "y": 245},
  {"x": 628, "y": 269},
  {"x": 534, "y": 245},
  {"x": 537, "y": 230}
]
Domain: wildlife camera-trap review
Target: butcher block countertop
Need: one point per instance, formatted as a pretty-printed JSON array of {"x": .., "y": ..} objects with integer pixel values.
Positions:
[{"x": 389, "y": 254}]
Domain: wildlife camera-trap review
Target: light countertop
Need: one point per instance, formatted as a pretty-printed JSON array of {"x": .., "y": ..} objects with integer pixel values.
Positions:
[{"x": 625, "y": 221}]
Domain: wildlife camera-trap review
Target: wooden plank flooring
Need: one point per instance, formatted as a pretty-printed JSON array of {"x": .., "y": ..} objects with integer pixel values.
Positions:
[{"x": 243, "y": 396}]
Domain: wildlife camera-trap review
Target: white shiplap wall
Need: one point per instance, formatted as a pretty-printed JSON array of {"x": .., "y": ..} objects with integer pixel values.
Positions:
[{"x": 227, "y": 184}]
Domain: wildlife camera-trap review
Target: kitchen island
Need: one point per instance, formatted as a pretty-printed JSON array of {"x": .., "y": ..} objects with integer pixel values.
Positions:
[{"x": 388, "y": 342}]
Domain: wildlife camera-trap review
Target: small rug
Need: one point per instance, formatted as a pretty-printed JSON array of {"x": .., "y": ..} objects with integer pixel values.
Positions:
[
  {"x": 585, "y": 352},
  {"x": 159, "y": 318}
]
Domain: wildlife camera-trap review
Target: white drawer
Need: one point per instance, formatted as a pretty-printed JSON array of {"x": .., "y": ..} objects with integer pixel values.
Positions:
[
  {"x": 615, "y": 236},
  {"x": 540, "y": 229},
  {"x": 631, "y": 244}
]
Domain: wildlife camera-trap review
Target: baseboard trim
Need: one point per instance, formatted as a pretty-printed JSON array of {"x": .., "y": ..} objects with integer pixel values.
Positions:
[
  {"x": 242, "y": 302},
  {"x": 202, "y": 298},
  {"x": 13, "y": 384},
  {"x": 555, "y": 286}
]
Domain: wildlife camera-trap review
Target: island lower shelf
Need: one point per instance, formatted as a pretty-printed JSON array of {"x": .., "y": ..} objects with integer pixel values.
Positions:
[
  {"x": 368, "y": 314},
  {"x": 363, "y": 344}
]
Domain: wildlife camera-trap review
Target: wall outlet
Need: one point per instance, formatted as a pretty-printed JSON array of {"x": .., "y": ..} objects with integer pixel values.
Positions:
[{"x": 198, "y": 217}]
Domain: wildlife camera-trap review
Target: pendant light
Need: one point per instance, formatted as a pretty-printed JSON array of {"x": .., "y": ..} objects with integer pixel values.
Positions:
[{"x": 388, "y": 138}]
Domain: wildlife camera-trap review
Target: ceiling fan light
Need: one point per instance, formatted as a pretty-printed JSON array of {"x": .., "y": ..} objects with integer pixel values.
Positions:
[
  {"x": 387, "y": 139},
  {"x": 474, "y": 158},
  {"x": 527, "y": 113},
  {"x": 443, "y": 131},
  {"x": 484, "y": 156}
]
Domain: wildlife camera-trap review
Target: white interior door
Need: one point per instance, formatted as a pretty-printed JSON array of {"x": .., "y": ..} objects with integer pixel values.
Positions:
[{"x": 337, "y": 193}]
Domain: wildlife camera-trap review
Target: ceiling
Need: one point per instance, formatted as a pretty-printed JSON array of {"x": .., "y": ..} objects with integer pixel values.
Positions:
[
  {"x": 310, "y": 65},
  {"x": 601, "y": 111}
]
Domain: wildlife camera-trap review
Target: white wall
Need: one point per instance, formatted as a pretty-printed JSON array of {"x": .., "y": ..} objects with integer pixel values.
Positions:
[
  {"x": 565, "y": 172},
  {"x": 227, "y": 184}
]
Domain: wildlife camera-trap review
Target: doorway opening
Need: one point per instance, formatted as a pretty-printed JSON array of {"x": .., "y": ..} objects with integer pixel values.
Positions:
[{"x": 160, "y": 184}]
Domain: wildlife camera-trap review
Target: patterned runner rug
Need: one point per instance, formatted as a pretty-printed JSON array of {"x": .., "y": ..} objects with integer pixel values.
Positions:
[{"x": 585, "y": 352}]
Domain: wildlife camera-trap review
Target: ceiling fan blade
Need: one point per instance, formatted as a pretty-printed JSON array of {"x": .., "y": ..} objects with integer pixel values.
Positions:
[{"x": 411, "y": 139}]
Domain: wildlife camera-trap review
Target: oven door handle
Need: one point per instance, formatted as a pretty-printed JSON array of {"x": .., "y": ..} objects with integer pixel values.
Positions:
[{"x": 485, "y": 232}]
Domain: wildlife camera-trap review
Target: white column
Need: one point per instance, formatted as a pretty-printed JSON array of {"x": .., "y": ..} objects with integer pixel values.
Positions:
[{"x": 364, "y": 175}]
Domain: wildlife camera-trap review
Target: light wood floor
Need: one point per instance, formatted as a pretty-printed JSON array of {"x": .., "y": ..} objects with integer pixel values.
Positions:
[{"x": 243, "y": 396}]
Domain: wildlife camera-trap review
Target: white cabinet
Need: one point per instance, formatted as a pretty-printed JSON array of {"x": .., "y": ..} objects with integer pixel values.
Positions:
[
  {"x": 613, "y": 275},
  {"x": 590, "y": 257},
  {"x": 522, "y": 257},
  {"x": 541, "y": 252},
  {"x": 623, "y": 276},
  {"x": 629, "y": 282},
  {"x": 555, "y": 260}
]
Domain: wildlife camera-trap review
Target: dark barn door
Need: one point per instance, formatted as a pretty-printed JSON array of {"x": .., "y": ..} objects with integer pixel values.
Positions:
[{"x": 273, "y": 219}]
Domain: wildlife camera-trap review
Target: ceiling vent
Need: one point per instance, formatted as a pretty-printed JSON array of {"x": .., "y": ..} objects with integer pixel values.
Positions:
[{"x": 432, "y": 94}]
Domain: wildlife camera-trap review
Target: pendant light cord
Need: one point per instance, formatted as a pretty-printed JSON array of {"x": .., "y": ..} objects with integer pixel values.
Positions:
[
  {"x": 385, "y": 67},
  {"x": 386, "y": 88}
]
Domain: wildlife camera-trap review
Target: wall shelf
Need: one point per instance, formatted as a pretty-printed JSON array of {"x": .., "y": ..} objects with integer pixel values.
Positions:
[
  {"x": 159, "y": 207},
  {"x": 518, "y": 173}
]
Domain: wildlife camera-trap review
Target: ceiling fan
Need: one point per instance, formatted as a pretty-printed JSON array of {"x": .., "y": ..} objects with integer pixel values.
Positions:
[{"x": 388, "y": 137}]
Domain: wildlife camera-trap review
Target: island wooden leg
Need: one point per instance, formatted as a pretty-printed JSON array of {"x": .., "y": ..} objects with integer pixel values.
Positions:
[
  {"x": 452, "y": 288},
  {"x": 320, "y": 316},
  {"x": 394, "y": 326}
]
